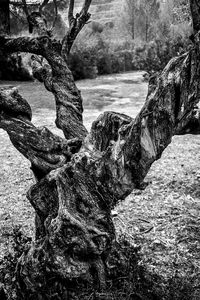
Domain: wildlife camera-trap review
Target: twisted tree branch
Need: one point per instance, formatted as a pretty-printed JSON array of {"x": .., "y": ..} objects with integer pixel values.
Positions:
[
  {"x": 86, "y": 6},
  {"x": 45, "y": 150},
  {"x": 138, "y": 143},
  {"x": 59, "y": 81}
]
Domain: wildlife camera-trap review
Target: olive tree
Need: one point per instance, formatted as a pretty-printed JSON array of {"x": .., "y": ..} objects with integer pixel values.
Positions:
[{"x": 80, "y": 178}]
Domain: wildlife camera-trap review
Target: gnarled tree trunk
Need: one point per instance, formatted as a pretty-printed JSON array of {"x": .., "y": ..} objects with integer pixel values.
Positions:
[{"x": 81, "y": 177}]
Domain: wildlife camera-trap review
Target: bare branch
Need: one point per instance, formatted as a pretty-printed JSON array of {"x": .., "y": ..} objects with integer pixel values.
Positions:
[
  {"x": 168, "y": 110},
  {"x": 36, "y": 46},
  {"x": 60, "y": 82},
  {"x": 76, "y": 24},
  {"x": 85, "y": 7},
  {"x": 71, "y": 12},
  {"x": 45, "y": 150}
]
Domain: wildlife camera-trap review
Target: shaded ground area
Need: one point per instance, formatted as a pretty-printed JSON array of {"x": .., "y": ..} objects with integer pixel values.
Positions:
[{"x": 163, "y": 220}]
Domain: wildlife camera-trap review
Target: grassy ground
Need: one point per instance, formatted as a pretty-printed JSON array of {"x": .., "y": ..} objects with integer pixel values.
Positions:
[{"x": 163, "y": 220}]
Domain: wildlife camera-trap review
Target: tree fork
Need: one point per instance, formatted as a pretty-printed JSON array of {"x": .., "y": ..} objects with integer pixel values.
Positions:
[
  {"x": 86, "y": 177},
  {"x": 74, "y": 201}
]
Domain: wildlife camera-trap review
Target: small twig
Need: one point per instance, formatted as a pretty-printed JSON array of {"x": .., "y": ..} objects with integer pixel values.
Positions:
[
  {"x": 143, "y": 220},
  {"x": 148, "y": 230}
]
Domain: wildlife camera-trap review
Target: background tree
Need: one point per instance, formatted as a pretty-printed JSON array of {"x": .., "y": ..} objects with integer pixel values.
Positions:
[
  {"x": 131, "y": 12},
  {"x": 140, "y": 18},
  {"x": 150, "y": 11},
  {"x": 81, "y": 177}
]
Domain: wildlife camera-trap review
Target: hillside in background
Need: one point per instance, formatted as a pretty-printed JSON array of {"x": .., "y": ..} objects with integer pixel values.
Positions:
[
  {"x": 116, "y": 17},
  {"x": 103, "y": 11},
  {"x": 122, "y": 35}
]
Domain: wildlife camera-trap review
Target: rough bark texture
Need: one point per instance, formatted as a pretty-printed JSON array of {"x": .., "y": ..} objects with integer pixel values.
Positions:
[
  {"x": 82, "y": 177},
  {"x": 195, "y": 9},
  {"x": 5, "y": 17}
]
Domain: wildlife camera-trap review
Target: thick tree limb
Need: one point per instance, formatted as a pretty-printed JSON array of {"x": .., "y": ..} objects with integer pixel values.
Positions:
[
  {"x": 45, "y": 150},
  {"x": 37, "y": 45},
  {"x": 165, "y": 113},
  {"x": 68, "y": 98},
  {"x": 105, "y": 129},
  {"x": 59, "y": 81}
]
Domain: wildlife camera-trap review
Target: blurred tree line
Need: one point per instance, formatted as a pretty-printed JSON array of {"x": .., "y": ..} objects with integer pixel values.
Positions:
[
  {"x": 149, "y": 34},
  {"x": 143, "y": 35}
]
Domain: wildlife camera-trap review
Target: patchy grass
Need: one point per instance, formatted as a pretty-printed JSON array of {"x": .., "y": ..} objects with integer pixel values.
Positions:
[{"x": 164, "y": 219}]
